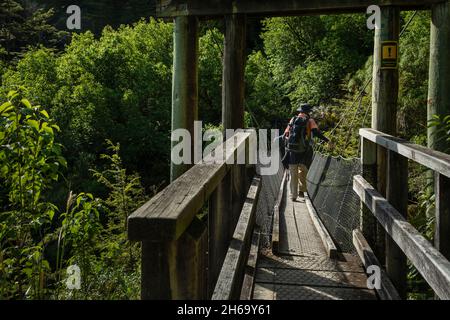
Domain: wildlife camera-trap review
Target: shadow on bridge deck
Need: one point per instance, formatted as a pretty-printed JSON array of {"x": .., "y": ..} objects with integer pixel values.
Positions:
[{"x": 302, "y": 269}]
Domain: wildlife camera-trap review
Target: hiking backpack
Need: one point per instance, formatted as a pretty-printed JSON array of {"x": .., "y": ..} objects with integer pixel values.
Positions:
[{"x": 298, "y": 140}]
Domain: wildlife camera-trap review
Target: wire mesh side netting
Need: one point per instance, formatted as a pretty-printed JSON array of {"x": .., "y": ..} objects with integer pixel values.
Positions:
[
  {"x": 330, "y": 187},
  {"x": 270, "y": 186}
]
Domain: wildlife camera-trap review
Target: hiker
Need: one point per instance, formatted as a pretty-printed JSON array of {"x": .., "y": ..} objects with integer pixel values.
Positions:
[{"x": 298, "y": 136}]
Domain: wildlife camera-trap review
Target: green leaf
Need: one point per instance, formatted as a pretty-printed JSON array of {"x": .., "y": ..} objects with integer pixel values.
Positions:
[
  {"x": 62, "y": 161},
  {"x": 7, "y": 106},
  {"x": 43, "y": 112},
  {"x": 11, "y": 94},
  {"x": 34, "y": 124},
  {"x": 26, "y": 103}
]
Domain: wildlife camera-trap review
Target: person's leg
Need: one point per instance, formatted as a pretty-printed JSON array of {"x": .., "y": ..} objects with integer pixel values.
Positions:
[
  {"x": 303, "y": 172},
  {"x": 293, "y": 169}
]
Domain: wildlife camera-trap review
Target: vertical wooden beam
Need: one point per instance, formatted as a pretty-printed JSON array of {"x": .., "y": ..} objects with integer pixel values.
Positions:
[
  {"x": 384, "y": 102},
  {"x": 397, "y": 195},
  {"x": 369, "y": 172},
  {"x": 233, "y": 88},
  {"x": 185, "y": 82},
  {"x": 442, "y": 235},
  {"x": 439, "y": 73},
  {"x": 439, "y": 104},
  {"x": 220, "y": 231},
  {"x": 176, "y": 269},
  {"x": 233, "y": 97}
]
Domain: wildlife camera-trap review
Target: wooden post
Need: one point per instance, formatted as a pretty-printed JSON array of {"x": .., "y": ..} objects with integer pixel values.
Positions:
[
  {"x": 439, "y": 104},
  {"x": 220, "y": 231},
  {"x": 233, "y": 88},
  {"x": 442, "y": 235},
  {"x": 384, "y": 102},
  {"x": 176, "y": 269},
  {"x": 233, "y": 97},
  {"x": 439, "y": 74},
  {"x": 185, "y": 82},
  {"x": 397, "y": 196},
  {"x": 369, "y": 172}
]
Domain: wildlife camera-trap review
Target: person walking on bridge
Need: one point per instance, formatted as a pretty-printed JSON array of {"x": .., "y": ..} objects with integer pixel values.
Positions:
[{"x": 299, "y": 136}]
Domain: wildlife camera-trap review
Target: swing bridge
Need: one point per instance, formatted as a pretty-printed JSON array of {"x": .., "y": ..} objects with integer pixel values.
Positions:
[{"x": 224, "y": 231}]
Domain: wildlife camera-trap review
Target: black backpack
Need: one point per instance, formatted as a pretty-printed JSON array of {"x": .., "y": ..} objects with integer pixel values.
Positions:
[{"x": 298, "y": 141}]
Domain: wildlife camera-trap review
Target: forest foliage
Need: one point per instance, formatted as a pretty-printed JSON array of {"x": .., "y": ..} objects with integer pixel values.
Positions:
[{"x": 85, "y": 123}]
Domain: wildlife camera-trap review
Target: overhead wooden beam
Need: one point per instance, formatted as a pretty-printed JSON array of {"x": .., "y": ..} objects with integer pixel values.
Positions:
[{"x": 212, "y": 8}]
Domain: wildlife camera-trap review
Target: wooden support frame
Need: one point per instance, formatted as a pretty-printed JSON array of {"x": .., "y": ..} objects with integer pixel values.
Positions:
[
  {"x": 174, "y": 241},
  {"x": 217, "y": 8},
  {"x": 431, "y": 264}
]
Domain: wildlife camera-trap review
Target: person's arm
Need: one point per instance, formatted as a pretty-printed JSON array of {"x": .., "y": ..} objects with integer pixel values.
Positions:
[
  {"x": 286, "y": 131},
  {"x": 316, "y": 131}
]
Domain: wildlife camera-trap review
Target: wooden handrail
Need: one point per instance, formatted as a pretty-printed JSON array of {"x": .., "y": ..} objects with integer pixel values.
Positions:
[
  {"x": 431, "y": 264},
  {"x": 435, "y": 160},
  {"x": 168, "y": 214}
]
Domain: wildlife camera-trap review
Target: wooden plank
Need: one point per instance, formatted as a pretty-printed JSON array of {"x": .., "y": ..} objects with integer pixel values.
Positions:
[
  {"x": 387, "y": 290},
  {"x": 219, "y": 221},
  {"x": 328, "y": 243},
  {"x": 169, "y": 213},
  {"x": 368, "y": 223},
  {"x": 250, "y": 269},
  {"x": 442, "y": 235},
  {"x": 397, "y": 196},
  {"x": 176, "y": 269},
  {"x": 276, "y": 214},
  {"x": 230, "y": 278},
  {"x": 431, "y": 264},
  {"x": 435, "y": 160},
  {"x": 184, "y": 84},
  {"x": 289, "y": 239},
  {"x": 170, "y": 8}
]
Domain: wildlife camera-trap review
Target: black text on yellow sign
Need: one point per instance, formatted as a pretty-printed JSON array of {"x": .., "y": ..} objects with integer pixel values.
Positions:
[{"x": 389, "y": 55}]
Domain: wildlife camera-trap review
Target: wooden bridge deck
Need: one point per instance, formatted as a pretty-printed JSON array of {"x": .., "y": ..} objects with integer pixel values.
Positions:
[{"x": 302, "y": 269}]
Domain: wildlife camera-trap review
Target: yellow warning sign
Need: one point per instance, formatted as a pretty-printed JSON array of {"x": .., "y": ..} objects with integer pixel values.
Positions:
[
  {"x": 389, "y": 52},
  {"x": 389, "y": 55}
]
